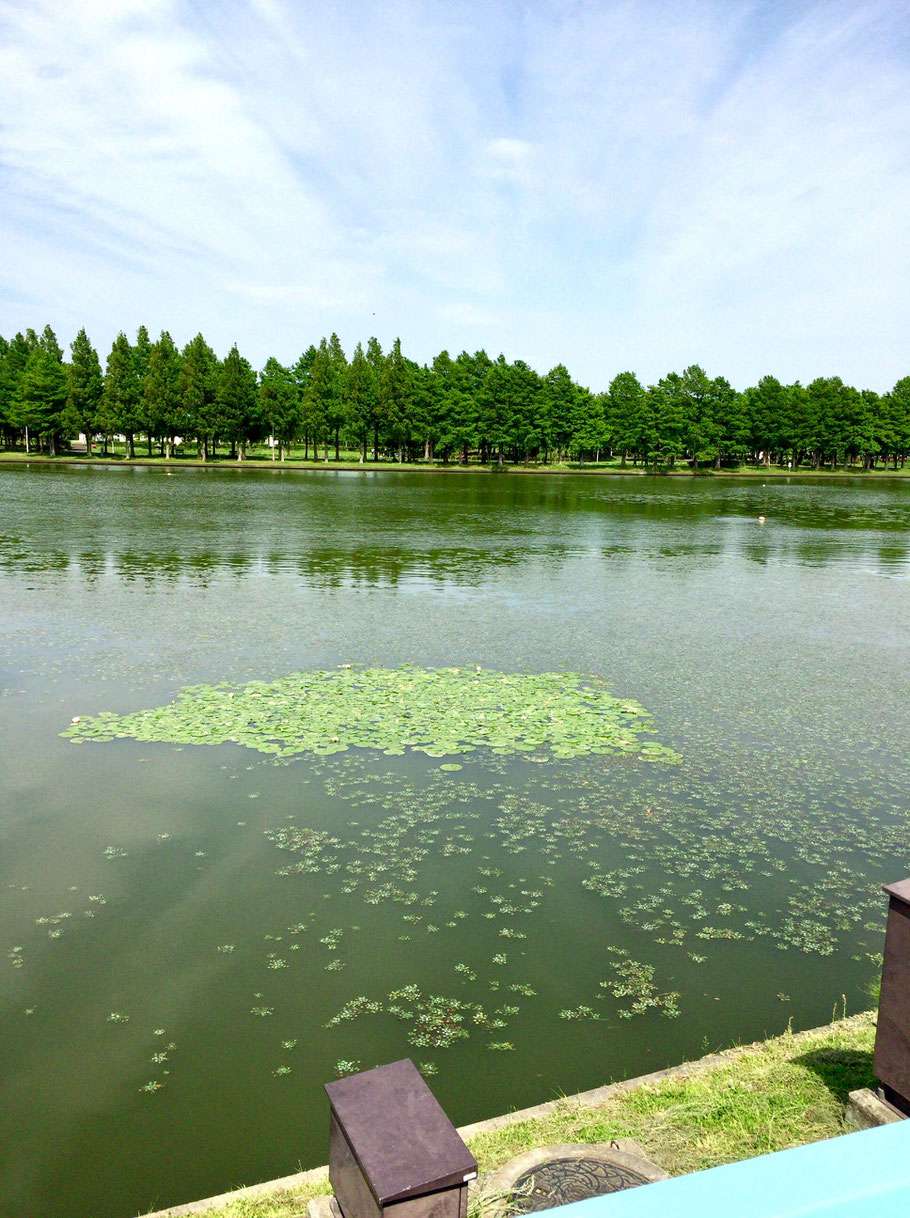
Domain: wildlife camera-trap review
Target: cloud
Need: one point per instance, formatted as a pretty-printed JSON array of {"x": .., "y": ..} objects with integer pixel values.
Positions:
[{"x": 617, "y": 185}]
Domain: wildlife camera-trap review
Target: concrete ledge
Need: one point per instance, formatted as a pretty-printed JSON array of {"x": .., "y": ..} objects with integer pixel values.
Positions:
[
  {"x": 285, "y": 1184},
  {"x": 584, "y": 1099},
  {"x": 866, "y": 1110}
]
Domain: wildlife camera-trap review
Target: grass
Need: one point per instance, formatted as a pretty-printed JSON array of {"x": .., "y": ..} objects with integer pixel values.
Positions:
[
  {"x": 259, "y": 457},
  {"x": 783, "y": 1092}
]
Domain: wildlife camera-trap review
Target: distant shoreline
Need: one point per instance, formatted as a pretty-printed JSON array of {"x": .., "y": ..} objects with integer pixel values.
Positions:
[{"x": 346, "y": 467}]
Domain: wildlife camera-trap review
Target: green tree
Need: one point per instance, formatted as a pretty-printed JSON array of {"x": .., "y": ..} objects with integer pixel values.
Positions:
[
  {"x": 280, "y": 404},
  {"x": 237, "y": 402},
  {"x": 731, "y": 423},
  {"x": 335, "y": 402},
  {"x": 121, "y": 398},
  {"x": 395, "y": 399},
  {"x": 495, "y": 409},
  {"x": 633, "y": 428},
  {"x": 142, "y": 350},
  {"x": 668, "y": 400},
  {"x": 84, "y": 389},
  {"x": 694, "y": 398},
  {"x": 41, "y": 401},
  {"x": 590, "y": 424},
  {"x": 894, "y": 423},
  {"x": 12, "y": 371},
  {"x": 561, "y": 403},
  {"x": 161, "y": 397},
  {"x": 322, "y": 398},
  {"x": 769, "y": 420},
  {"x": 360, "y": 399},
  {"x": 376, "y": 360},
  {"x": 526, "y": 401},
  {"x": 196, "y": 386}
]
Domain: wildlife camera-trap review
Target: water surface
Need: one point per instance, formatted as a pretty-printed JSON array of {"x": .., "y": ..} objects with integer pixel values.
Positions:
[{"x": 772, "y": 656}]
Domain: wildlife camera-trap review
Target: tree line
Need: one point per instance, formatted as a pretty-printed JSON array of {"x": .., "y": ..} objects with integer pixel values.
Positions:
[{"x": 470, "y": 407}]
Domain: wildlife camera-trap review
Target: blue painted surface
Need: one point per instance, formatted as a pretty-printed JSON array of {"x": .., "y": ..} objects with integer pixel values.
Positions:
[{"x": 859, "y": 1175}]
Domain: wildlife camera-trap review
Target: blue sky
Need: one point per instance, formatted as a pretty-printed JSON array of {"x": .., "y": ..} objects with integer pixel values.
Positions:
[{"x": 612, "y": 185}]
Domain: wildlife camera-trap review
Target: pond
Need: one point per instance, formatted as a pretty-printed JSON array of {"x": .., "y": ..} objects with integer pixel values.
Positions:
[{"x": 213, "y": 910}]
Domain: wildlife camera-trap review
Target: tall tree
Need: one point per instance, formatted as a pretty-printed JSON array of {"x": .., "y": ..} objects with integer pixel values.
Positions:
[
  {"x": 561, "y": 400},
  {"x": 280, "y": 403},
  {"x": 322, "y": 398},
  {"x": 85, "y": 388},
  {"x": 121, "y": 399},
  {"x": 142, "y": 350},
  {"x": 237, "y": 402},
  {"x": 335, "y": 412},
  {"x": 42, "y": 391},
  {"x": 395, "y": 399},
  {"x": 12, "y": 370},
  {"x": 633, "y": 430},
  {"x": 196, "y": 386},
  {"x": 694, "y": 398},
  {"x": 161, "y": 393},
  {"x": 360, "y": 399},
  {"x": 376, "y": 360}
]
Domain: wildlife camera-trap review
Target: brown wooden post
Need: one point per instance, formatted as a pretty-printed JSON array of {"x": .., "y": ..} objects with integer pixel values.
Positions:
[
  {"x": 891, "y": 1061},
  {"x": 393, "y": 1152}
]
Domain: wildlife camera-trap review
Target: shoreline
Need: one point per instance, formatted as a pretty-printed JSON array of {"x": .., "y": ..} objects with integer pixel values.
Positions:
[
  {"x": 775, "y": 473},
  {"x": 314, "y": 1181}
]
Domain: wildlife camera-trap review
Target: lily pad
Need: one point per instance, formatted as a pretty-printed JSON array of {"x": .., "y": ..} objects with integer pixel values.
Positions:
[{"x": 442, "y": 712}]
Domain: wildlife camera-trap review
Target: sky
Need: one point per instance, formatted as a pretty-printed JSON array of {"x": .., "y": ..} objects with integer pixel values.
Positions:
[{"x": 609, "y": 184}]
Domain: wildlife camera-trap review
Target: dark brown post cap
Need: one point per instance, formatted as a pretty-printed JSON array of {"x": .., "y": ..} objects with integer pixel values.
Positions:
[
  {"x": 402, "y": 1139},
  {"x": 899, "y": 889}
]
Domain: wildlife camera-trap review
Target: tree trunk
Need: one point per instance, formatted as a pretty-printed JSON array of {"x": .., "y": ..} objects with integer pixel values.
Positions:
[
  {"x": 130, "y": 449},
  {"x": 337, "y": 451},
  {"x": 52, "y": 445}
]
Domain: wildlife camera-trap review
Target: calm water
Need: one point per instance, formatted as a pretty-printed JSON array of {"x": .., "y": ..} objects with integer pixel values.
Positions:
[{"x": 141, "y": 881}]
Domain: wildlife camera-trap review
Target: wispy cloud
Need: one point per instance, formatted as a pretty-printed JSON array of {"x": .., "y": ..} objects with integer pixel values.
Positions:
[{"x": 634, "y": 185}]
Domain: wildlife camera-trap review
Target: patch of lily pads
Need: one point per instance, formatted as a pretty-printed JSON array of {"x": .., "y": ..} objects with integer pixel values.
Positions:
[{"x": 441, "y": 712}]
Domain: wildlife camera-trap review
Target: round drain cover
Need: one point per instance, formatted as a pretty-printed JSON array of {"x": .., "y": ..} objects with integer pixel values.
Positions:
[{"x": 562, "y": 1181}]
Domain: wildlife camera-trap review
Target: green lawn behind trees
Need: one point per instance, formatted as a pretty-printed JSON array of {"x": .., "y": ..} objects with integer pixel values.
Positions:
[{"x": 153, "y": 400}]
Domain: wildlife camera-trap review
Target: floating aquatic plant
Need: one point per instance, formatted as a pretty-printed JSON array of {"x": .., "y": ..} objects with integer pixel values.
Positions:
[
  {"x": 343, "y": 1067},
  {"x": 438, "y": 711}
]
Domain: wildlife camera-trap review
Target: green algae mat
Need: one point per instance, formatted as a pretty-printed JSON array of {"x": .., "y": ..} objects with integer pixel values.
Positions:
[{"x": 442, "y": 712}]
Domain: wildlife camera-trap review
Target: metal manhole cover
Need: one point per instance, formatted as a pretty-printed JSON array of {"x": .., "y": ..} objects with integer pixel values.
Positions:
[{"x": 562, "y": 1181}]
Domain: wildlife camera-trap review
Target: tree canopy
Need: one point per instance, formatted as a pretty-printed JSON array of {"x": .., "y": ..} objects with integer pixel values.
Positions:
[{"x": 467, "y": 407}]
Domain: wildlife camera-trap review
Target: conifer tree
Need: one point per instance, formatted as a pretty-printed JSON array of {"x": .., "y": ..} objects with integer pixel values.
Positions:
[
  {"x": 196, "y": 387},
  {"x": 42, "y": 391},
  {"x": 161, "y": 393},
  {"x": 121, "y": 398},
  {"x": 376, "y": 360},
  {"x": 395, "y": 398},
  {"x": 237, "y": 402},
  {"x": 360, "y": 399},
  {"x": 85, "y": 388},
  {"x": 280, "y": 403},
  {"x": 12, "y": 370}
]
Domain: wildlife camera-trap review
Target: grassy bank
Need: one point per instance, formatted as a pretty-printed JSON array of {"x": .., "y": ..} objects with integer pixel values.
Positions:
[
  {"x": 260, "y": 458},
  {"x": 754, "y": 1100}
]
